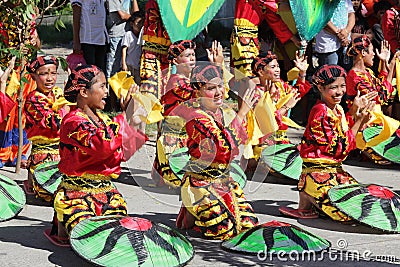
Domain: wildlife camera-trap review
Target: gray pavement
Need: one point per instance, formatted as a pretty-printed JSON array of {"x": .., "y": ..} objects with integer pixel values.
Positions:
[{"x": 22, "y": 242}]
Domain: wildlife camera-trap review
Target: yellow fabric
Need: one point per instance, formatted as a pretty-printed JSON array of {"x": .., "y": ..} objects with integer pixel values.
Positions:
[
  {"x": 245, "y": 23},
  {"x": 389, "y": 126},
  {"x": 260, "y": 122},
  {"x": 120, "y": 82},
  {"x": 264, "y": 115},
  {"x": 13, "y": 85},
  {"x": 293, "y": 74},
  {"x": 152, "y": 105}
]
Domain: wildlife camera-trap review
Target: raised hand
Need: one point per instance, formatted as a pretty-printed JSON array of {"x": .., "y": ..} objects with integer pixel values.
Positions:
[
  {"x": 215, "y": 53},
  {"x": 301, "y": 62},
  {"x": 293, "y": 100},
  {"x": 384, "y": 54},
  {"x": 4, "y": 75},
  {"x": 249, "y": 99}
]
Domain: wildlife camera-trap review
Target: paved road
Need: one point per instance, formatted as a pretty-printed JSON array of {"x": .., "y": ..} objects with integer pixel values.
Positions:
[{"x": 22, "y": 242}]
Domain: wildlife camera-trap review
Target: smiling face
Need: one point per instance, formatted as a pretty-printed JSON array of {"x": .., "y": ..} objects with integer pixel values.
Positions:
[
  {"x": 271, "y": 72},
  {"x": 45, "y": 78},
  {"x": 186, "y": 61},
  {"x": 332, "y": 93},
  {"x": 212, "y": 94},
  {"x": 368, "y": 56},
  {"x": 97, "y": 94}
]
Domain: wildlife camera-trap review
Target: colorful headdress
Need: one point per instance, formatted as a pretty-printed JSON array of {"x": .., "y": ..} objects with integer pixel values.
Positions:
[
  {"x": 358, "y": 44},
  {"x": 40, "y": 61},
  {"x": 202, "y": 74},
  {"x": 178, "y": 47},
  {"x": 80, "y": 78},
  {"x": 260, "y": 62},
  {"x": 327, "y": 74}
]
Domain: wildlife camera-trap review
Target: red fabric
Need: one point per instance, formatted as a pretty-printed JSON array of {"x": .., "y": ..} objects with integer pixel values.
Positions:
[
  {"x": 7, "y": 104},
  {"x": 178, "y": 90},
  {"x": 153, "y": 25},
  {"x": 257, "y": 10},
  {"x": 87, "y": 148},
  {"x": 41, "y": 120},
  {"x": 324, "y": 136},
  {"x": 208, "y": 139},
  {"x": 388, "y": 29},
  {"x": 366, "y": 82}
]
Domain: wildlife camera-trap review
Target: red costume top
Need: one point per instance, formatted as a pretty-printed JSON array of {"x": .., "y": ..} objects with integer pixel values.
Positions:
[
  {"x": 254, "y": 11},
  {"x": 88, "y": 148},
  {"x": 366, "y": 82},
  {"x": 327, "y": 138},
  {"x": 208, "y": 138},
  {"x": 41, "y": 120},
  {"x": 178, "y": 90},
  {"x": 153, "y": 28},
  {"x": 7, "y": 104},
  {"x": 391, "y": 28}
]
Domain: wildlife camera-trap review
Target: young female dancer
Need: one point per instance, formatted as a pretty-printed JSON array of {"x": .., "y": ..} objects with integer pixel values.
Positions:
[{"x": 326, "y": 142}]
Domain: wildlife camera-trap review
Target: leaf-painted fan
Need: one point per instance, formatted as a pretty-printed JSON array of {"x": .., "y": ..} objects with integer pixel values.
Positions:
[
  {"x": 180, "y": 158},
  {"x": 284, "y": 159},
  {"x": 184, "y": 19},
  {"x": 12, "y": 198},
  {"x": 389, "y": 149},
  {"x": 48, "y": 176},
  {"x": 311, "y": 16},
  {"x": 129, "y": 241},
  {"x": 372, "y": 204},
  {"x": 275, "y": 237}
]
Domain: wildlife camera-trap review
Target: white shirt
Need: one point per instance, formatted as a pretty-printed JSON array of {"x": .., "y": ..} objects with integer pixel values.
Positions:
[
  {"x": 326, "y": 42},
  {"x": 93, "y": 22},
  {"x": 134, "y": 48}
]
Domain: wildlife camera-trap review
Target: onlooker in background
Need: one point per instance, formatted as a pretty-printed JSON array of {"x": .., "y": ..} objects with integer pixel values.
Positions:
[
  {"x": 132, "y": 46},
  {"x": 379, "y": 10},
  {"x": 335, "y": 35},
  {"x": 390, "y": 26},
  {"x": 90, "y": 33},
  {"x": 118, "y": 13},
  {"x": 361, "y": 24}
]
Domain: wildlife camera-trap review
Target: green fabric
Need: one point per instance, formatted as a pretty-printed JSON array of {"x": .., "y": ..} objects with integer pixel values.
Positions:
[
  {"x": 275, "y": 237},
  {"x": 48, "y": 176},
  {"x": 184, "y": 19},
  {"x": 129, "y": 241},
  {"x": 284, "y": 159},
  {"x": 373, "y": 205},
  {"x": 311, "y": 16},
  {"x": 388, "y": 149},
  {"x": 12, "y": 198}
]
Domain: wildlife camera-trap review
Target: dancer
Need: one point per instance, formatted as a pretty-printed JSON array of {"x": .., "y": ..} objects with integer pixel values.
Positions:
[
  {"x": 326, "y": 142},
  {"x": 212, "y": 202},
  {"x": 44, "y": 109},
  {"x": 268, "y": 122},
  {"x": 92, "y": 147},
  {"x": 178, "y": 90},
  {"x": 361, "y": 80}
]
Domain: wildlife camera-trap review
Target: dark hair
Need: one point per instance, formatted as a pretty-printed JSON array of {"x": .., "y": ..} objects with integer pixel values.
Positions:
[
  {"x": 381, "y": 5},
  {"x": 81, "y": 77},
  {"x": 135, "y": 15},
  {"x": 201, "y": 74},
  {"x": 260, "y": 62},
  {"x": 327, "y": 74},
  {"x": 358, "y": 44}
]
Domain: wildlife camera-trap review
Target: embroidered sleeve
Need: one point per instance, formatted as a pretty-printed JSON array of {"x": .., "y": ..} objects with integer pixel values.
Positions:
[
  {"x": 38, "y": 110},
  {"x": 325, "y": 131},
  {"x": 100, "y": 142}
]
